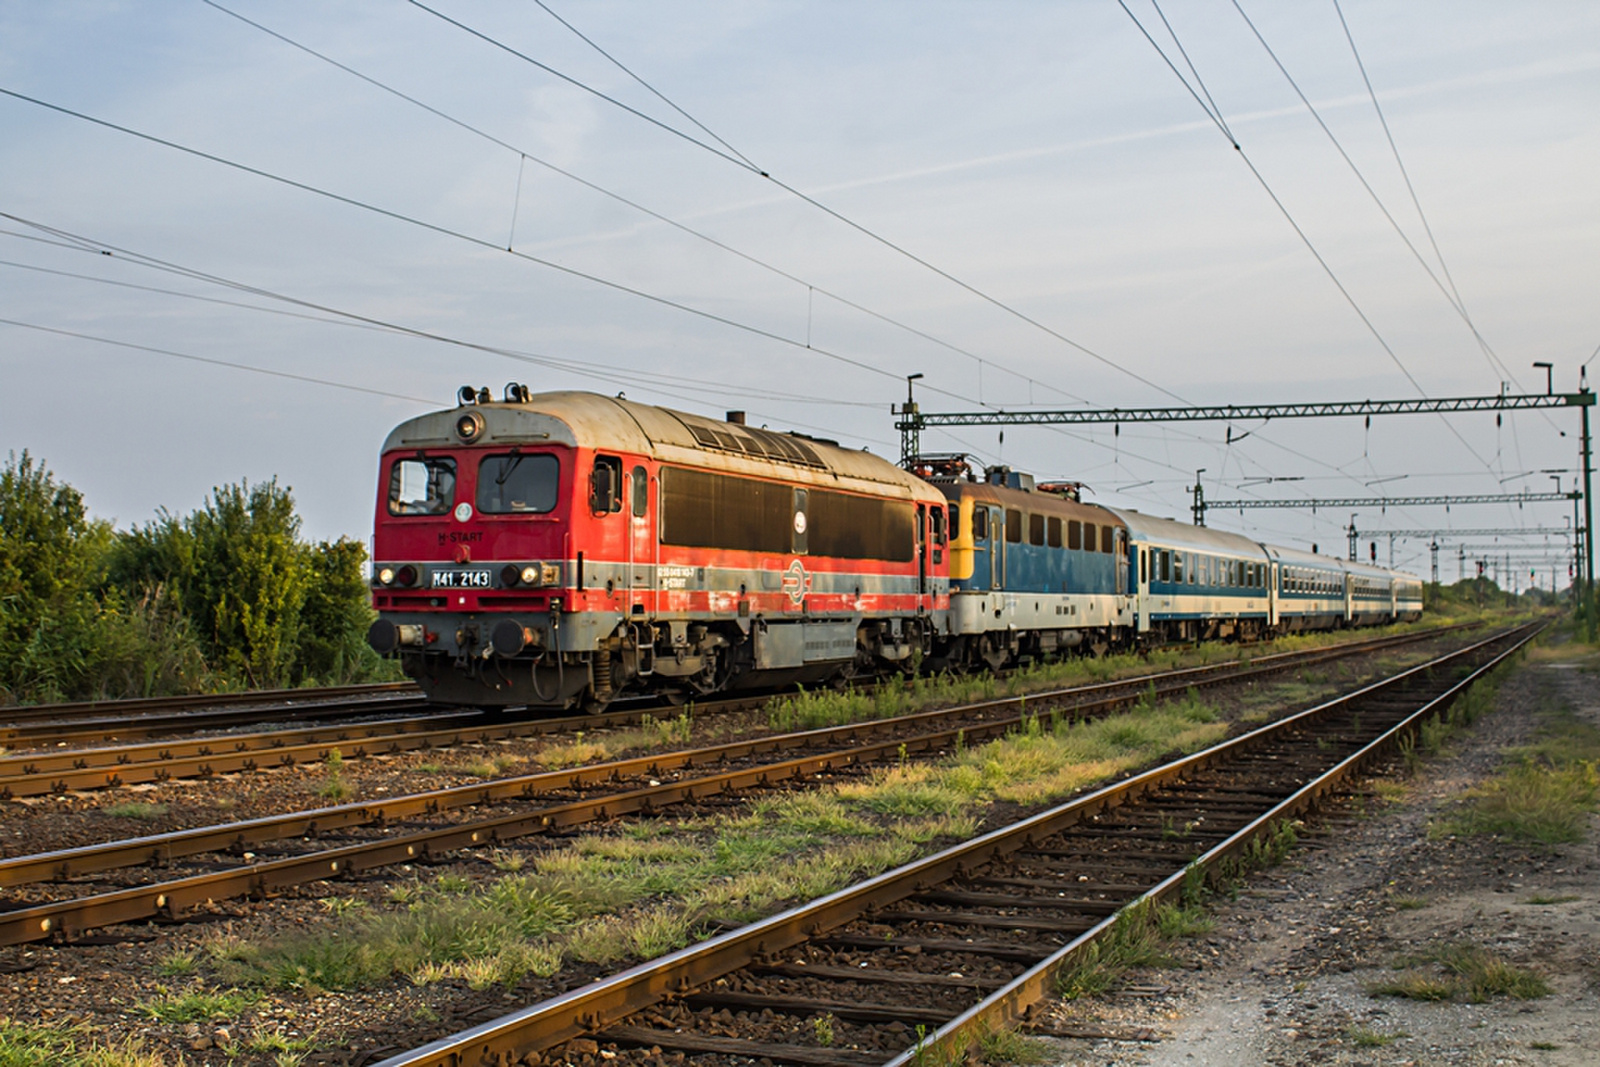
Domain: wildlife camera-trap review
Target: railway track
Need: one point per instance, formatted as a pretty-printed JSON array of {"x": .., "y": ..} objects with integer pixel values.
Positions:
[
  {"x": 915, "y": 965},
  {"x": 37, "y": 773},
  {"x": 225, "y": 861},
  {"x": 74, "y": 724}
]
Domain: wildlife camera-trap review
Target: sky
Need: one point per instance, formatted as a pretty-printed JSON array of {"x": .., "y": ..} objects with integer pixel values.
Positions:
[{"x": 787, "y": 208}]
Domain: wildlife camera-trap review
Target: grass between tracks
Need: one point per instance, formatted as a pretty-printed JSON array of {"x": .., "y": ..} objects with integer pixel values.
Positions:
[
  {"x": 654, "y": 886},
  {"x": 814, "y": 709},
  {"x": 35, "y": 1046}
]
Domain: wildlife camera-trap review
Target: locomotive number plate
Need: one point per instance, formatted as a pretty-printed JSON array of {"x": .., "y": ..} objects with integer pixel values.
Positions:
[{"x": 461, "y": 579}]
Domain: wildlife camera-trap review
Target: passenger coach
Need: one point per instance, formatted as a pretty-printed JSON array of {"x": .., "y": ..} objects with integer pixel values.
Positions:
[{"x": 1195, "y": 583}]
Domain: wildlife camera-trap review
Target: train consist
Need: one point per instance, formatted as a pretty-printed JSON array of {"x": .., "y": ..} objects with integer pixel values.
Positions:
[{"x": 554, "y": 551}]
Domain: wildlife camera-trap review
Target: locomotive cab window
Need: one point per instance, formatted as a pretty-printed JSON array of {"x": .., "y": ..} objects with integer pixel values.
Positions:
[
  {"x": 938, "y": 525},
  {"x": 519, "y": 483},
  {"x": 980, "y": 523},
  {"x": 425, "y": 485},
  {"x": 605, "y": 485}
]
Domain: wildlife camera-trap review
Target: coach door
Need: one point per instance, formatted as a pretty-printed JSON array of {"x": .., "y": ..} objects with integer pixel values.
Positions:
[
  {"x": 922, "y": 554},
  {"x": 1142, "y": 605},
  {"x": 643, "y": 545}
]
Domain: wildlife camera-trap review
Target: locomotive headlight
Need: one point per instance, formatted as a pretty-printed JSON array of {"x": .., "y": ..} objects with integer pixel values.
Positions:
[
  {"x": 508, "y": 575},
  {"x": 406, "y": 575},
  {"x": 386, "y": 576},
  {"x": 530, "y": 575},
  {"x": 468, "y": 426}
]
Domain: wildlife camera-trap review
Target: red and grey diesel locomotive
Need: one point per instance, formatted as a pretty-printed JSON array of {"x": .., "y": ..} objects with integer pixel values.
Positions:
[
  {"x": 557, "y": 550},
  {"x": 554, "y": 551}
]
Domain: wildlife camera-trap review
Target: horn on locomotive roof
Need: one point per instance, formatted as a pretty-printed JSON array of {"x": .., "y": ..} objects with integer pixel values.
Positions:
[
  {"x": 517, "y": 393},
  {"x": 466, "y": 395}
]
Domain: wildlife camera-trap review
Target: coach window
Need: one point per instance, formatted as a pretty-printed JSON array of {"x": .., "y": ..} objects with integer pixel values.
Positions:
[
  {"x": 1053, "y": 532},
  {"x": 1074, "y": 534},
  {"x": 1014, "y": 526},
  {"x": 641, "y": 492},
  {"x": 605, "y": 485},
  {"x": 1036, "y": 530},
  {"x": 518, "y": 483},
  {"x": 1177, "y": 567},
  {"x": 1166, "y": 565},
  {"x": 425, "y": 485}
]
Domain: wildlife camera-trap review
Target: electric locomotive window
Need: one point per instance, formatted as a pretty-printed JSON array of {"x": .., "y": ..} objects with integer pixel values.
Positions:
[
  {"x": 1053, "y": 532},
  {"x": 1014, "y": 526},
  {"x": 423, "y": 486},
  {"x": 1074, "y": 533},
  {"x": 938, "y": 524},
  {"x": 1089, "y": 536},
  {"x": 520, "y": 483},
  {"x": 980, "y": 523},
  {"x": 1036, "y": 529},
  {"x": 1108, "y": 538},
  {"x": 641, "y": 492}
]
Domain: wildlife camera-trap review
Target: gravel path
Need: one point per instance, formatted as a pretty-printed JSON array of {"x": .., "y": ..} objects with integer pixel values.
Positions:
[{"x": 1283, "y": 978}]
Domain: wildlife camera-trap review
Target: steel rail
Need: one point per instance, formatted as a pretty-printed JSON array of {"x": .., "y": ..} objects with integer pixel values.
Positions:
[
  {"x": 36, "y": 732},
  {"x": 38, "y": 774},
  {"x": 142, "y": 705},
  {"x": 169, "y": 899},
  {"x": 591, "y": 1008},
  {"x": 1008, "y": 1005},
  {"x": 162, "y": 849},
  {"x": 29, "y": 774}
]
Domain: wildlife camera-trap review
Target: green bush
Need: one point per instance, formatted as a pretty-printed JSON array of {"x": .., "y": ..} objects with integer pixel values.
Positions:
[{"x": 226, "y": 597}]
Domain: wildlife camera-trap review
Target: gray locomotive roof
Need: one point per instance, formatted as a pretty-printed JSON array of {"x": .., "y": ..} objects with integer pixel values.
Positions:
[
  {"x": 1182, "y": 535},
  {"x": 590, "y": 420}
]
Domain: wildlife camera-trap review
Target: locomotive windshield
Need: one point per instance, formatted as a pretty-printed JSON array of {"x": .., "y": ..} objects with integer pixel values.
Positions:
[
  {"x": 519, "y": 483},
  {"x": 425, "y": 486}
]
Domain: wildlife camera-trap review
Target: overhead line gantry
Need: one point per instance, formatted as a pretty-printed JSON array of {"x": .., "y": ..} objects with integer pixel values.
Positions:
[{"x": 913, "y": 420}]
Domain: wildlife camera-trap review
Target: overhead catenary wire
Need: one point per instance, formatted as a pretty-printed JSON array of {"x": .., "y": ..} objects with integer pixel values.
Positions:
[
  {"x": 526, "y": 156},
  {"x": 838, "y": 216},
  {"x": 622, "y": 376},
  {"x": 1305, "y": 239},
  {"x": 1451, "y": 294},
  {"x": 1217, "y": 118},
  {"x": 480, "y": 242}
]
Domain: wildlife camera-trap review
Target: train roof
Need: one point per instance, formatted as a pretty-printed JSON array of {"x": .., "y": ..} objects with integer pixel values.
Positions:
[
  {"x": 1182, "y": 535},
  {"x": 1301, "y": 558},
  {"x": 1030, "y": 499},
  {"x": 589, "y": 420}
]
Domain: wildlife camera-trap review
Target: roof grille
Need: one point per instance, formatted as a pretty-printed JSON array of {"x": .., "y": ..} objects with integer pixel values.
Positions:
[{"x": 763, "y": 444}]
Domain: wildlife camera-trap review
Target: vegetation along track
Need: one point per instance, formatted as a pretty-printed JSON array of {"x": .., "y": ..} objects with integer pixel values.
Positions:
[
  {"x": 345, "y": 840},
  {"x": 916, "y": 964},
  {"x": 36, "y": 773}
]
